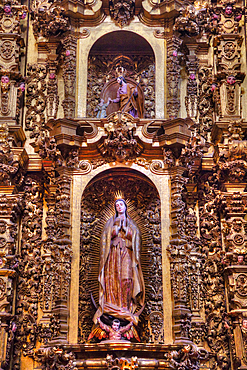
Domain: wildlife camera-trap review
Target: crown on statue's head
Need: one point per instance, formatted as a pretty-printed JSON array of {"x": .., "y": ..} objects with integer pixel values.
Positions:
[
  {"x": 121, "y": 71},
  {"x": 118, "y": 195}
]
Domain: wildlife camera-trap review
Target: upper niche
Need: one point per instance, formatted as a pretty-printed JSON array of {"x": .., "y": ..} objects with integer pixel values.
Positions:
[
  {"x": 121, "y": 42},
  {"x": 116, "y": 50}
]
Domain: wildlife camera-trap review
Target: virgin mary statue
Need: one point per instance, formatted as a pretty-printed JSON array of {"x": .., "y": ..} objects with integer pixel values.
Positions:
[{"x": 121, "y": 284}]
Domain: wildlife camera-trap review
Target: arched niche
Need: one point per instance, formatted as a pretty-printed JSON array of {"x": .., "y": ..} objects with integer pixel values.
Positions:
[
  {"x": 144, "y": 208},
  {"x": 114, "y": 50}
]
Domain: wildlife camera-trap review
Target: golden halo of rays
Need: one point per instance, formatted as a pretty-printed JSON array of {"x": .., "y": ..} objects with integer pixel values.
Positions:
[{"x": 107, "y": 213}]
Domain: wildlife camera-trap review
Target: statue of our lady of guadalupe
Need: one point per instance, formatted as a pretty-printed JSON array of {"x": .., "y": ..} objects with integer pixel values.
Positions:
[{"x": 121, "y": 284}]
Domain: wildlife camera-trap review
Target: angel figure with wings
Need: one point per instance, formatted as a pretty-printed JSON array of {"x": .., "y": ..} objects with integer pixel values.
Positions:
[{"x": 114, "y": 332}]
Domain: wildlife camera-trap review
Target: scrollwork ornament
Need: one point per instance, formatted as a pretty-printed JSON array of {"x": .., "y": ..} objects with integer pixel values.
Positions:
[
  {"x": 157, "y": 166},
  {"x": 85, "y": 166}
]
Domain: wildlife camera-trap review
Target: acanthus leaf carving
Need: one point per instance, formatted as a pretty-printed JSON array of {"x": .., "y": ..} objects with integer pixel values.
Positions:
[
  {"x": 122, "y": 12},
  {"x": 49, "y": 19},
  {"x": 120, "y": 143},
  {"x": 55, "y": 358}
]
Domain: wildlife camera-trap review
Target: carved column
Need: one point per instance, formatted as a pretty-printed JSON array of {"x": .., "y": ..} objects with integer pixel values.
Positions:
[
  {"x": 10, "y": 47},
  {"x": 9, "y": 213},
  {"x": 69, "y": 75},
  {"x": 228, "y": 47},
  {"x": 30, "y": 268},
  {"x": 62, "y": 256},
  {"x": 234, "y": 209},
  {"x": 179, "y": 251},
  {"x": 36, "y": 99},
  {"x": 52, "y": 88},
  {"x": 49, "y": 323},
  {"x": 232, "y": 170},
  {"x": 194, "y": 263},
  {"x": 192, "y": 68},
  {"x": 173, "y": 76}
]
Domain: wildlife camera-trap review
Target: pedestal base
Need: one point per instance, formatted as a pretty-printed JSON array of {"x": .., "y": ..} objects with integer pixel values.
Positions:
[{"x": 121, "y": 355}]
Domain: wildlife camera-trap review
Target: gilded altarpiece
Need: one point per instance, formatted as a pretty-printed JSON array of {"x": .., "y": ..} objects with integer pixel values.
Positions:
[{"x": 174, "y": 145}]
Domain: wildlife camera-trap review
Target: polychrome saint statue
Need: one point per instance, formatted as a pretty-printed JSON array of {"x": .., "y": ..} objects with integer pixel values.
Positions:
[
  {"x": 128, "y": 98},
  {"x": 121, "y": 284}
]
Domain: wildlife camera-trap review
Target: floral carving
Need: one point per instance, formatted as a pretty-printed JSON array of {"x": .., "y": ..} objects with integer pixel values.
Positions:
[
  {"x": 121, "y": 363},
  {"x": 187, "y": 22},
  {"x": 208, "y": 95},
  {"x": 36, "y": 99},
  {"x": 233, "y": 157},
  {"x": 55, "y": 358},
  {"x": 186, "y": 358},
  {"x": 49, "y": 20},
  {"x": 120, "y": 143},
  {"x": 9, "y": 163},
  {"x": 29, "y": 268},
  {"x": 122, "y": 11}
]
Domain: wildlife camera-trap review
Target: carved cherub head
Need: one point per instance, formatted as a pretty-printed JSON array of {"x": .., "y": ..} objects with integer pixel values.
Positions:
[
  {"x": 7, "y": 8},
  {"x": 228, "y": 10},
  {"x": 4, "y": 79},
  {"x": 116, "y": 325},
  {"x": 231, "y": 80},
  {"x": 22, "y": 86}
]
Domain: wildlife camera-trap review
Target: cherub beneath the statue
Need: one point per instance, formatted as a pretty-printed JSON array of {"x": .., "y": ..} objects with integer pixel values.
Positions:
[
  {"x": 101, "y": 108},
  {"x": 114, "y": 332}
]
